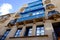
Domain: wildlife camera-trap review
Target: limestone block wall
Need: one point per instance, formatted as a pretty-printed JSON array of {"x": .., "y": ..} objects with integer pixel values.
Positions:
[{"x": 48, "y": 31}]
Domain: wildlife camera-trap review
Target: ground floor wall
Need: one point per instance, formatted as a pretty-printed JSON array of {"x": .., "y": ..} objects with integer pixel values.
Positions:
[{"x": 48, "y": 34}]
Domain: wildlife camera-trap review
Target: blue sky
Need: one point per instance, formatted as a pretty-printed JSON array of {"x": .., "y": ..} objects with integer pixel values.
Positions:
[{"x": 12, "y": 6}]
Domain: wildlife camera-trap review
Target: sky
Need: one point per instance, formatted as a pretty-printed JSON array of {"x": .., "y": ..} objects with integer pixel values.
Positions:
[{"x": 11, "y": 6}]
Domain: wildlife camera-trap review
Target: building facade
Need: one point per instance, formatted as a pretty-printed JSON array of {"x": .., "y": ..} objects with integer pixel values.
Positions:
[{"x": 39, "y": 20}]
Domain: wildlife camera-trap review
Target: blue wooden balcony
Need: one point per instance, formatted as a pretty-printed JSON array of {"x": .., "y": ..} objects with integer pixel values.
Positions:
[
  {"x": 34, "y": 3},
  {"x": 30, "y": 17},
  {"x": 39, "y": 6},
  {"x": 31, "y": 11}
]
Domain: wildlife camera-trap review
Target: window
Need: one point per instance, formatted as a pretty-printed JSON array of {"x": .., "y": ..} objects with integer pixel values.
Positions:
[
  {"x": 42, "y": 11},
  {"x": 36, "y": 13},
  {"x": 17, "y": 34},
  {"x": 52, "y": 12},
  {"x": 13, "y": 21},
  {"x": 25, "y": 15},
  {"x": 40, "y": 30},
  {"x": 39, "y": 12},
  {"x": 28, "y": 31},
  {"x": 34, "y": 8},
  {"x": 5, "y": 34}
]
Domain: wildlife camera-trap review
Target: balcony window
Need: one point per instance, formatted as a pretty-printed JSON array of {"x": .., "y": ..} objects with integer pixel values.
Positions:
[
  {"x": 5, "y": 34},
  {"x": 25, "y": 15},
  {"x": 34, "y": 8},
  {"x": 28, "y": 31},
  {"x": 38, "y": 12},
  {"x": 12, "y": 22},
  {"x": 40, "y": 30},
  {"x": 53, "y": 12},
  {"x": 17, "y": 34}
]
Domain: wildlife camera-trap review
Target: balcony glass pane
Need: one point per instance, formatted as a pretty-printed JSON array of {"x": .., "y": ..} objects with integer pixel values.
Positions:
[
  {"x": 52, "y": 12},
  {"x": 38, "y": 12},
  {"x": 25, "y": 15}
]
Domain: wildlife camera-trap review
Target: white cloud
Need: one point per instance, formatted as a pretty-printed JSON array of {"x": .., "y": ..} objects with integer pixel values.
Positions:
[{"x": 4, "y": 8}]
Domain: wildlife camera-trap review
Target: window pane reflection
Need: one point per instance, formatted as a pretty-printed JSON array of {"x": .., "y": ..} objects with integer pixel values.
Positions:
[{"x": 40, "y": 30}]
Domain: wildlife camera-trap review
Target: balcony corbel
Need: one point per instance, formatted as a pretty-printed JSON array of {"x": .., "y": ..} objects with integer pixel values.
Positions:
[{"x": 47, "y": 1}]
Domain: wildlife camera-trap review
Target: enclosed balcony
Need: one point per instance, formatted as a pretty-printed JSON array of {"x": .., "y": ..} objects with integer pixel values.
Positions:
[
  {"x": 50, "y": 6},
  {"x": 36, "y": 7},
  {"x": 35, "y": 10},
  {"x": 34, "y": 3},
  {"x": 53, "y": 14},
  {"x": 30, "y": 17},
  {"x": 12, "y": 22}
]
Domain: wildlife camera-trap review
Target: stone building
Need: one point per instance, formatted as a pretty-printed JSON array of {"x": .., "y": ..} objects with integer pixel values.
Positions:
[{"x": 38, "y": 20}]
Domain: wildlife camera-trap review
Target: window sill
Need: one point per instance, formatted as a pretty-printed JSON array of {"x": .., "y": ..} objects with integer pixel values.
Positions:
[{"x": 30, "y": 36}]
